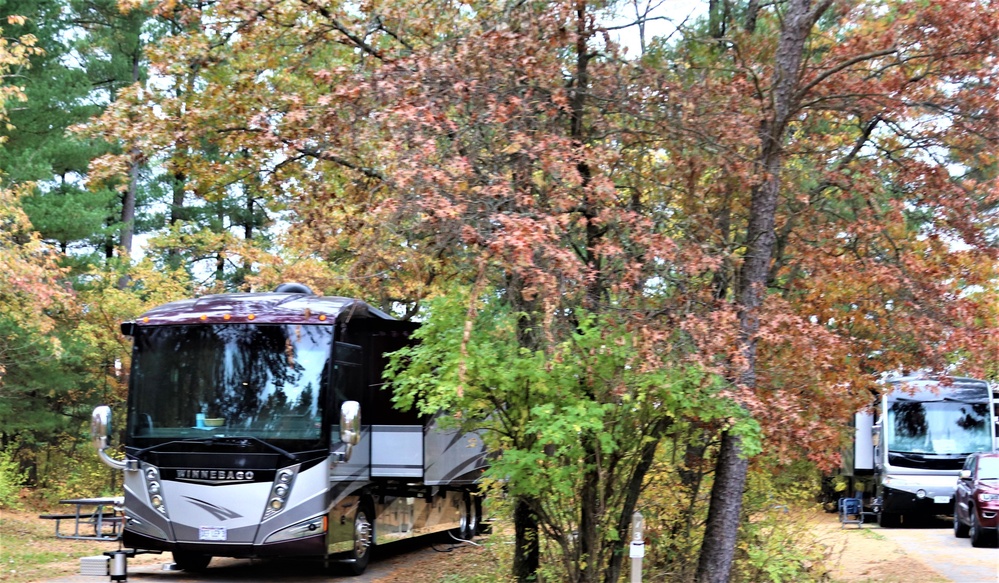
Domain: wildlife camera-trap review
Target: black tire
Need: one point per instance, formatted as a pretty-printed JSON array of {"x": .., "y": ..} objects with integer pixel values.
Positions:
[
  {"x": 961, "y": 529},
  {"x": 981, "y": 537},
  {"x": 889, "y": 520},
  {"x": 461, "y": 532},
  {"x": 195, "y": 562},
  {"x": 473, "y": 516},
  {"x": 480, "y": 526},
  {"x": 364, "y": 539},
  {"x": 975, "y": 532}
]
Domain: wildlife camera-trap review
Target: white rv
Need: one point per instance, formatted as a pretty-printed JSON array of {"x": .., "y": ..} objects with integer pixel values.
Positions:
[
  {"x": 909, "y": 450},
  {"x": 258, "y": 426}
]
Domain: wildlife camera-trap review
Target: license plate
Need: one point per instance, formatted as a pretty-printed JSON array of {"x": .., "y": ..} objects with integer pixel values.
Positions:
[
  {"x": 941, "y": 499},
  {"x": 212, "y": 533}
]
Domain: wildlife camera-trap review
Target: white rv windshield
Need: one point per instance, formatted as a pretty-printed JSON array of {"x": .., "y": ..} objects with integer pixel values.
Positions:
[
  {"x": 264, "y": 381},
  {"x": 937, "y": 427}
]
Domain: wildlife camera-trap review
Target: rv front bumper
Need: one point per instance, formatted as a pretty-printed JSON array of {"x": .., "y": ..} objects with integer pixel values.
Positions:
[
  {"x": 313, "y": 546},
  {"x": 917, "y": 494}
]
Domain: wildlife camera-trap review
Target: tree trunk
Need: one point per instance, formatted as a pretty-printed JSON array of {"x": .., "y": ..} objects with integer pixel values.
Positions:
[
  {"x": 589, "y": 537},
  {"x": 128, "y": 205},
  {"x": 634, "y": 489},
  {"x": 721, "y": 532},
  {"x": 527, "y": 556},
  {"x": 177, "y": 213},
  {"x": 131, "y": 192},
  {"x": 724, "y": 512}
]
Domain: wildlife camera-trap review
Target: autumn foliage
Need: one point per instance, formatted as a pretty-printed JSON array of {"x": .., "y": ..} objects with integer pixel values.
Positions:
[{"x": 774, "y": 204}]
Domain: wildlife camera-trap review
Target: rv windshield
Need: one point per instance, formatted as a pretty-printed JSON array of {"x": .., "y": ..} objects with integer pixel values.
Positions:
[
  {"x": 264, "y": 381},
  {"x": 937, "y": 427}
]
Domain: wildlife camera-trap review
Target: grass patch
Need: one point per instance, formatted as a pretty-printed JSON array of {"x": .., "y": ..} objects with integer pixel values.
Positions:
[
  {"x": 29, "y": 550},
  {"x": 869, "y": 533}
]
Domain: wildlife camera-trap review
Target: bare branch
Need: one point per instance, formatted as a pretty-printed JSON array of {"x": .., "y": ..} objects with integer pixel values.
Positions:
[{"x": 843, "y": 66}]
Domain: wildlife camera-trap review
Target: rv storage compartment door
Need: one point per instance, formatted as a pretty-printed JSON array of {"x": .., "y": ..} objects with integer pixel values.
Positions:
[{"x": 396, "y": 451}]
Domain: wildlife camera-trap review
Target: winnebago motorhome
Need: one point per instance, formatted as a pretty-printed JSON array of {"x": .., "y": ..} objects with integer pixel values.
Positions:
[
  {"x": 910, "y": 449},
  {"x": 258, "y": 426}
]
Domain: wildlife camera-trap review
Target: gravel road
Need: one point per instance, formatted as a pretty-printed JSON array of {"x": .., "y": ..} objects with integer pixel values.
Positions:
[
  {"x": 384, "y": 563},
  {"x": 954, "y": 558},
  {"x": 927, "y": 553}
]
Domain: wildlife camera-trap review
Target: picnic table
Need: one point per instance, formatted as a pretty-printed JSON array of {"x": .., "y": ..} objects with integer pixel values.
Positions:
[{"x": 92, "y": 518}]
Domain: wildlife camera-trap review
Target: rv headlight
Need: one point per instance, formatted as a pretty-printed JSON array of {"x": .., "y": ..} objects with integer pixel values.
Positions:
[
  {"x": 284, "y": 482},
  {"x": 154, "y": 487},
  {"x": 920, "y": 493},
  {"x": 157, "y": 502},
  {"x": 988, "y": 497}
]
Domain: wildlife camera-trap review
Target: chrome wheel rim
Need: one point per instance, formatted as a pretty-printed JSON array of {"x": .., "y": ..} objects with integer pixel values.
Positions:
[{"x": 362, "y": 534}]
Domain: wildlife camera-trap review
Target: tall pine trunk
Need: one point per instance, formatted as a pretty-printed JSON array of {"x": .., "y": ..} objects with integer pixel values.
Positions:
[{"x": 724, "y": 514}]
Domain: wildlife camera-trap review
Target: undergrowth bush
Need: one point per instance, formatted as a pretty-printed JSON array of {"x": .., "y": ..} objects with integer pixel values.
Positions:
[
  {"x": 674, "y": 505},
  {"x": 69, "y": 467},
  {"x": 12, "y": 478},
  {"x": 78, "y": 473},
  {"x": 776, "y": 539},
  {"x": 776, "y": 543}
]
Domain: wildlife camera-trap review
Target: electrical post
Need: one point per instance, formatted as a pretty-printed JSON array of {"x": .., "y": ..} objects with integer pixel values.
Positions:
[{"x": 637, "y": 547}]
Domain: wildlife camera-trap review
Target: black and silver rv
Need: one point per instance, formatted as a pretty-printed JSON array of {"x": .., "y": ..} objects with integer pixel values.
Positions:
[{"x": 257, "y": 425}]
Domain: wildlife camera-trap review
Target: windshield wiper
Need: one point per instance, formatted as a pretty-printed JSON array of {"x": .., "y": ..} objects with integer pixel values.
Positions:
[
  {"x": 166, "y": 443},
  {"x": 274, "y": 448},
  {"x": 228, "y": 439}
]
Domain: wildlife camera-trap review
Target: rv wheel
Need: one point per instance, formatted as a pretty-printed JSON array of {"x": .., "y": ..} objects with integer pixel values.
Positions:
[
  {"x": 191, "y": 561},
  {"x": 461, "y": 532},
  {"x": 889, "y": 520},
  {"x": 473, "y": 508},
  {"x": 363, "y": 540}
]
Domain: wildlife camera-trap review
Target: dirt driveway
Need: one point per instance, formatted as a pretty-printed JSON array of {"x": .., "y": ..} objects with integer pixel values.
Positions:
[
  {"x": 394, "y": 563},
  {"x": 925, "y": 553}
]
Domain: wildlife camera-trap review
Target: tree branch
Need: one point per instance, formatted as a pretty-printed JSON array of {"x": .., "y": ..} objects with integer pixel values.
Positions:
[
  {"x": 842, "y": 66},
  {"x": 358, "y": 41}
]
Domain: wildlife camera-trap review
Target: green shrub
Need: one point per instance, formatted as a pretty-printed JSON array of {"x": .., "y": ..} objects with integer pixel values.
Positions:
[
  {"x": 776, "y": 541},
  {"x": 12, "y": 478},
  {"x": 77, "y": 473}
]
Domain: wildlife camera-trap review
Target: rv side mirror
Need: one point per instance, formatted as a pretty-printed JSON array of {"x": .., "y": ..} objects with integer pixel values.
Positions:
[
  {"x": 100, "y": 432},
  {"x": 350, "y": 422},
  {"x": 100, "y": 427},
  {"x": 350, "y": 429},
  {"x": 964, "y": 475}
]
